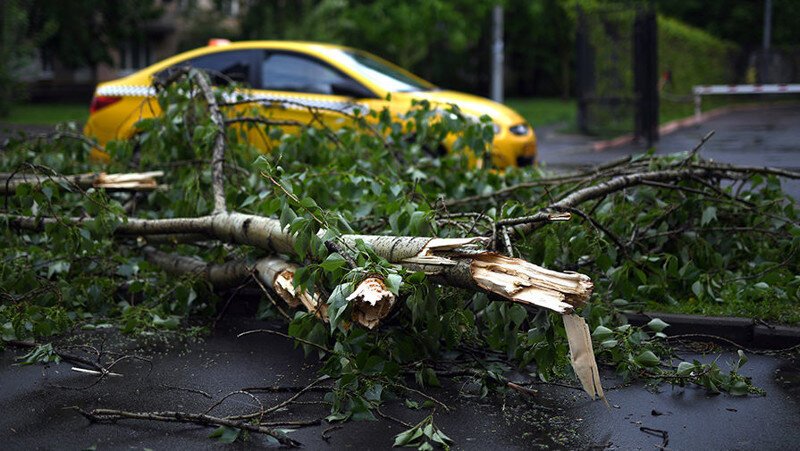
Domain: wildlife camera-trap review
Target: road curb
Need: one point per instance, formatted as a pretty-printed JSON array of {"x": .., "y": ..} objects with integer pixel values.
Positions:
[
  {"x": 675, "y": 125},
  {"x": 743, "y": 331}
]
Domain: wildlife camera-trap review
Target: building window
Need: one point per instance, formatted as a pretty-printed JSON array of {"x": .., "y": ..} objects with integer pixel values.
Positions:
[
  {"x": 133, "y": 56},
  {"x": 230, "y": 8},
  {"x": 45, "y": 65}
]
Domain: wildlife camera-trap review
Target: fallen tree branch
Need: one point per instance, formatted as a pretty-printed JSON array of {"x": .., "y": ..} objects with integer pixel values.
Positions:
[
  {"x": 144, "y": 181},
  {"x": 275, "y": 273},
  {"x": 449, "y": 261},
  {"x": 112, "y": 415},
  {"x": 618, "y": 183},
  {"x": 218, "y": 148},
  {"x": 371, "y": 300}
]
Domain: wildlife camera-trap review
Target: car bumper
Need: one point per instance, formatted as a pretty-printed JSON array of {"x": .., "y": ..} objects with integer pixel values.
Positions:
[{"x": 513, "y": 150}]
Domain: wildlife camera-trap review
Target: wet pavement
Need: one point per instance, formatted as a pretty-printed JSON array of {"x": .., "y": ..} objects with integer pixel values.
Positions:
[
  {"x": 35, "y": 401},
  {"x": 766, "y": 136},
  {"x": 693, "y": 419}
]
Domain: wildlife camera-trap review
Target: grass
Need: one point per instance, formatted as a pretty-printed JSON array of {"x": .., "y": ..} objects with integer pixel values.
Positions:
[
  {"x": 545, "y": 111},
  {"x": 47, "y": 113}
]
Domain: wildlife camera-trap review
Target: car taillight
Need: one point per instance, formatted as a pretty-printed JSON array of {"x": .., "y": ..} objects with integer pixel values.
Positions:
[{"x": 100, "y": 102}]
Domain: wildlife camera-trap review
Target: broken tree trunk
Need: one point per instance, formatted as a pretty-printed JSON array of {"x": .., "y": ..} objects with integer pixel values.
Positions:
[
  {"x": 273, "y": 272},
  {"x": 144, "y": 181},
  {"x": 459, "y": 262},
  {"x": 371, "y": 300}
]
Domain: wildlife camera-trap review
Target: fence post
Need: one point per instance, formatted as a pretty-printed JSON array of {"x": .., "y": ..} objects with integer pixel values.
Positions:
[
  {"x": 497, "y": 53},
  {"x": 645, "y": 68},
  {"x": 584, "y": 66}
]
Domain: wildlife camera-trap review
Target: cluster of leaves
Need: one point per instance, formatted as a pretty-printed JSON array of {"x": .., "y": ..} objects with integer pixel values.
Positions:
[
  {"x": 374, "y": 173},
  {"x": 68, "y": 275}
]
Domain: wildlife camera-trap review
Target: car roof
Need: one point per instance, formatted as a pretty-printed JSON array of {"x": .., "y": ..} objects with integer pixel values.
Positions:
[{"x": 303, "y": 46}]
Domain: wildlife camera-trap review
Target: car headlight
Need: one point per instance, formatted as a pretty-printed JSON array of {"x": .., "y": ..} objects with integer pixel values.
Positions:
[{"x": 519, "y": 129}]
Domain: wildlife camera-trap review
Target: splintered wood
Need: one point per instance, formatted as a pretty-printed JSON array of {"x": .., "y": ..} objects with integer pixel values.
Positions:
[
  {"x": 582, "y": 355},
  {"x": 144, "y": 181},
  {"x": 371, "y": 301},
  {"x": 283, "y": 285},
  {"x": 520, "y": 281}
]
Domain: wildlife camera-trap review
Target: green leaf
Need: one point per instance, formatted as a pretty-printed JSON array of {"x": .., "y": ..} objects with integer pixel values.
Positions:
[
  {"x": 602, "y": 333},
  {"x": 709, "y": 214},
  {"x": 337, "y": 303},
  {"x": 333, "y": 262},
  {"x": 408, "y": 436},
  {"x": 429, "y": 378},
  {"x": 170, "y": 322},
  {"x": 41, "y": 354},
  {"x": 738, "y": 388},
  {"x": 393, "y": 282},
  {"x": 647, "y": 358},
  {"x": 608, "y": 344},
  {"x": 287, "y": 216},
  {"x": 517, "y": 314},
  {"x": 249, "y": 200},
  {"x": 225, "y": 434},
  {"x": 685, "y": 368},
  {"x": 742, "y": 359},
  {"x": 697, "y": 289},
  {"x": 657, "y": 325},
  {"x": 411, "y": 404}
]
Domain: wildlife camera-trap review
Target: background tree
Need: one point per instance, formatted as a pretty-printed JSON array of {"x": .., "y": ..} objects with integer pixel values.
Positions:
[
  {"x": 83, "y": 32},
  {"x": 13, "y": 48},
  {"x": 740, "y": 22}
]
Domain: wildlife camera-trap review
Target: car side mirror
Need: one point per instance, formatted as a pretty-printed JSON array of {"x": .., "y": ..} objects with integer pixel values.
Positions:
[{"x": 351, "y": 88}]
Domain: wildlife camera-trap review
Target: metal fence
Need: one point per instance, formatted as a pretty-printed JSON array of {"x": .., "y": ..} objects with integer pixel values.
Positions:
[{"x": 617, "y": 71}]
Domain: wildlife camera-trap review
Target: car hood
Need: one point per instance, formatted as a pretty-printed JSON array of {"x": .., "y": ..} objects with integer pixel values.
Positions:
[{"x": 469, "y": 104}]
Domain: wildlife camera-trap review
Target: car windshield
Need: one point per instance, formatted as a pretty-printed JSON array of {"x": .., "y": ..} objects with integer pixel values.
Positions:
[{"x": 388, "y": 77}]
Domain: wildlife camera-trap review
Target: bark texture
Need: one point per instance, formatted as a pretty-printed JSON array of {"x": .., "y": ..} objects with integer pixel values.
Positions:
[{"x": 459, "y": 262}]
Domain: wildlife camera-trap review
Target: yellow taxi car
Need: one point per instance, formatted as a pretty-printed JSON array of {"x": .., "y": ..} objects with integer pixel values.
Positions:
[{"x": 290, "y": 77}]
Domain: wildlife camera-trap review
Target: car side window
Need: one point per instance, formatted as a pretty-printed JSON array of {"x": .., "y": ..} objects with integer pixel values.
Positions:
[
  {"x": 233, "y": 66},
  {"x": 296, "y": 73}
]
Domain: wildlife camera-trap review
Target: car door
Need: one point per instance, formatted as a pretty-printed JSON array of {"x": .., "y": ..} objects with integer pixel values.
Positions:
[
  {"x": 300, "y": 88},
  {"x": 226, "y": 67}
]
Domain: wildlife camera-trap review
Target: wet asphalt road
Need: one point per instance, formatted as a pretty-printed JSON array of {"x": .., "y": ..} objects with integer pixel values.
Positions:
[
  {"x": 767, "y": 136},
  {"x": 34, "y": 402}
]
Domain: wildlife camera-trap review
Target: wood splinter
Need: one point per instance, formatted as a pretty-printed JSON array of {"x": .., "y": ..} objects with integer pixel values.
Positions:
[{"x": 372, "y": 301}]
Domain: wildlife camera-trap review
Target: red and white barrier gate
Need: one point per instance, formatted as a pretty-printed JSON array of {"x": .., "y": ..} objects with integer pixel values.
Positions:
[{"x": 703, "y": 90}]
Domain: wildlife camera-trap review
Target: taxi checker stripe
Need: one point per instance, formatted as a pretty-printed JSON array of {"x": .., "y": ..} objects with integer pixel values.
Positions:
[
  {"x": 301, "y": 103},
  {"x": 291, "y": 102},
  {"x": 126, "y": 91}
]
